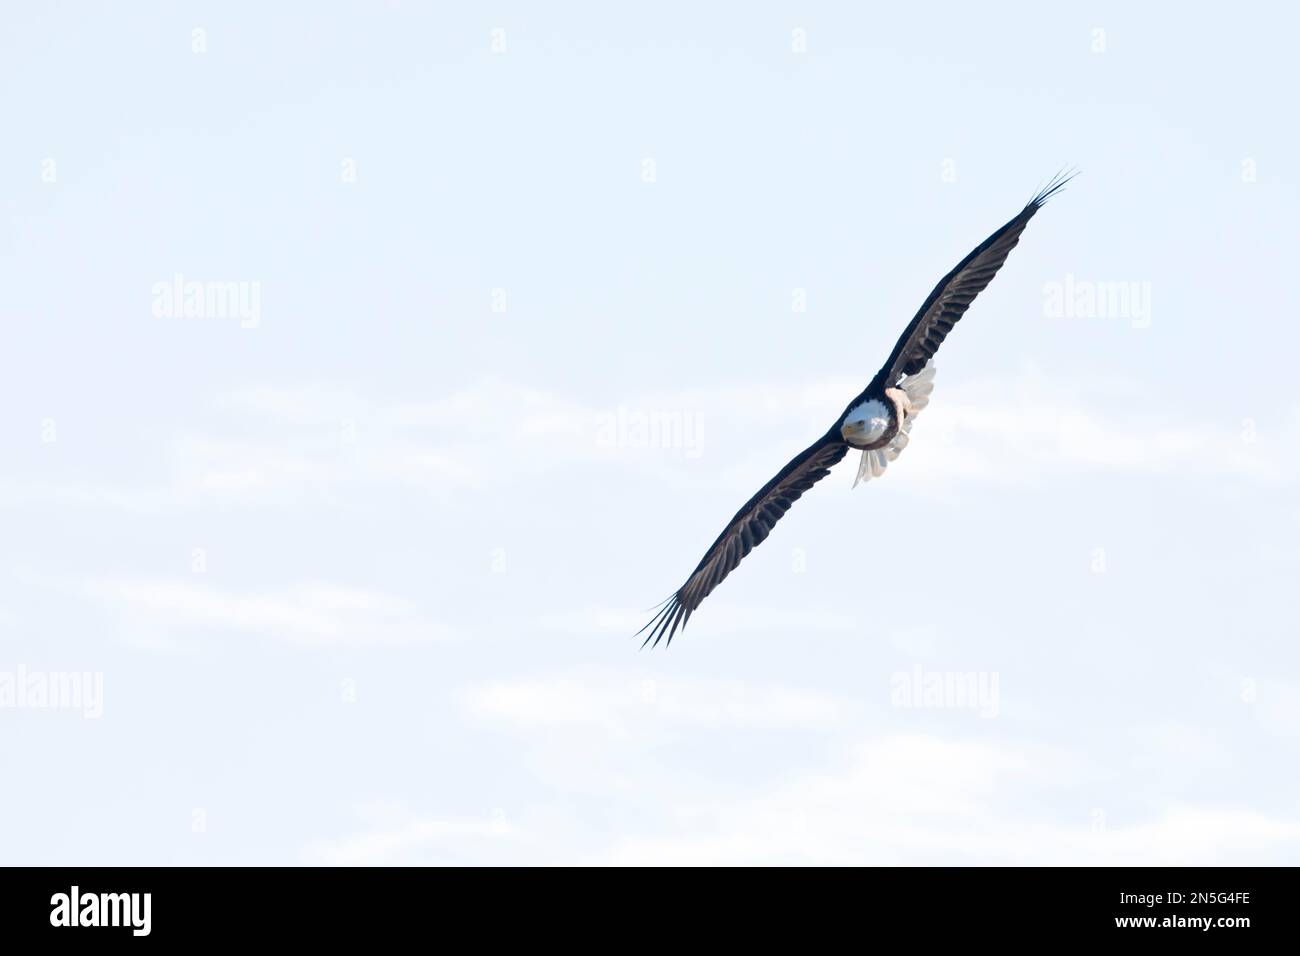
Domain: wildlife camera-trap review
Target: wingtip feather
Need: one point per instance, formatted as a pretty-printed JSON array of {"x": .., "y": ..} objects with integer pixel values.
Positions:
[
  {"x": 1054, "y": 185},
  {"x": 662, "y": 609}
]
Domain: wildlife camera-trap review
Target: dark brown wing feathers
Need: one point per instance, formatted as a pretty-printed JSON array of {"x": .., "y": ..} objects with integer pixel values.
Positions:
[
  {"x": 950, "y": 299},
  {"x": 747, "y": 530}
]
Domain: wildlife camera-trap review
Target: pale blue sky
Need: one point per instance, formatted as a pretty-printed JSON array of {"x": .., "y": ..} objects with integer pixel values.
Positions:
[{"x": 421, "y": 550}]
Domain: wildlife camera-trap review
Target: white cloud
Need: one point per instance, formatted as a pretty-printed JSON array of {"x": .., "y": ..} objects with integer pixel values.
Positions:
[
  {"x": 1277, "y": 708},
  {"x": 1171, "y": 746},
  {"x": 490, "y": 433},
  {"x": 494, "y": 433},
  {"x": 1013, "y": 431},
  {"x": 401, "y": 838},
  {"x": 311, "y": 613},
  {"x": 141, "y": 501},
  {"x": 624, "y": 707},
  {"x": 488, "y": 411},
  {"x": 296, "y": 405},
  {"x": 904, "y": 800}
]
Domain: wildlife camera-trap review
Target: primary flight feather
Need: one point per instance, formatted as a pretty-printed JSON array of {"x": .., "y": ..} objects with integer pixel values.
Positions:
[{"x": 876, "y": 422}]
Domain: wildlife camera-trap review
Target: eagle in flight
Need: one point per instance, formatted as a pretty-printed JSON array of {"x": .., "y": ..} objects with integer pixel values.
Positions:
[{"x": 876, "y": 422}]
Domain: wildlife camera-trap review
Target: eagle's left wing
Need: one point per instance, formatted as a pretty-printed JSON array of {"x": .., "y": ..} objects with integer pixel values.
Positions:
[{"x": 955, "y": 292}]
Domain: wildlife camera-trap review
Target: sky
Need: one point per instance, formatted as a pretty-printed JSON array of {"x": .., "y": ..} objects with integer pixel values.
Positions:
[{"x": 371, "y": 369}]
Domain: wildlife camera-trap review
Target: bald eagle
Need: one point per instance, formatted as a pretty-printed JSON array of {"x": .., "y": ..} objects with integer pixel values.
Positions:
[{"x": 876, "y": 422}]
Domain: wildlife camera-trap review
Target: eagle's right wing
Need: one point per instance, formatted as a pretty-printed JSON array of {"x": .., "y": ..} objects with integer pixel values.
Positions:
[{"x": 746, "y": 531}]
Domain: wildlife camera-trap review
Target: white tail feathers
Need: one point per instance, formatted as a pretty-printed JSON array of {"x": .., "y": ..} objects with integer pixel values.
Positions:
[{"x": 917, "y": 388}]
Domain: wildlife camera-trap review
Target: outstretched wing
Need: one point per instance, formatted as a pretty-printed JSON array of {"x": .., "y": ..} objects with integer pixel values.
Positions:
[
  {"x": 956, "y": 291},
  {"x": 746, "y": 531}
]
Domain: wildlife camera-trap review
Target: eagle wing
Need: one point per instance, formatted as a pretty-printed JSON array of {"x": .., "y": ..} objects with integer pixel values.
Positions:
[
  {"x": 955, "y": 292},
  {"x": 746, "y": 531}
]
